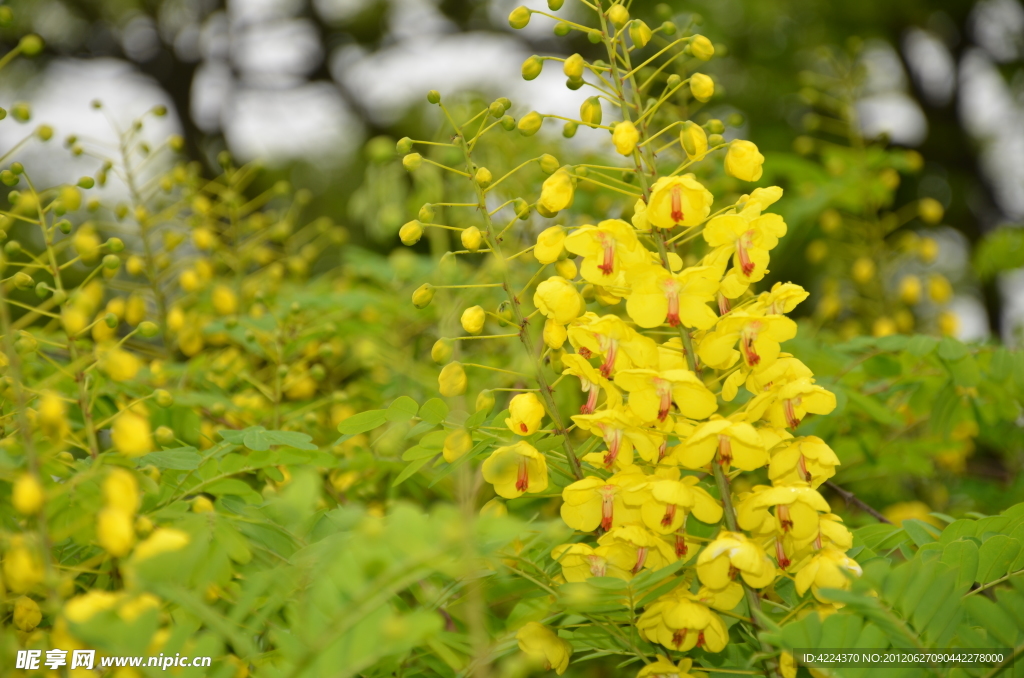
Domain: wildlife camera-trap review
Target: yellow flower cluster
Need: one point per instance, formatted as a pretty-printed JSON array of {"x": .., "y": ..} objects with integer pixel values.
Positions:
[{"x": 669, "y": 446}]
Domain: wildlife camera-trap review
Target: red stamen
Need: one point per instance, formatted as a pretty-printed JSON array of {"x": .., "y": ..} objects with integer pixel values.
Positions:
[
  {"x": 523, "y": 477},
  {"x": 801, "y": 466},
  {"x": 607, "y": 507},
  {"x": 681, "y": 547},
  {"x": 780, "y": 554},
  {"x": 747, "y": 345},
  {"x": 789, "y": 407},
  {"x": 588, "y": 407},
  {"x": 662, "y": 449},
  {"x": 609, "y": 359},
  {"x": 700, "y": 639},
  {"x": 677, "y": 204},
  {"x": 673, "y": 307},
  {"x": 679, "y": 637},
  {"x": 724, "y": 450},
  {"x": 641, "y": 556},
  {"x": 608, "y": 263},
  {"x": 585, "y": 352},
  {"x": 782, "y": 513},
  {"x": 666, "y": 402},
  {"x": 523, "y": 427},
  {"x": 746, "y": 265},
  {"x": 723, "y": 305},
  {"x": 670, "y": 515}
]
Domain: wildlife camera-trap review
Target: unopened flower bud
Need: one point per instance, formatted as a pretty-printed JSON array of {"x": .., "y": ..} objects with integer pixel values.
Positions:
[
  {"x": 702, "y": 87},
  {"x": 426, "y": 213},
  {"x": 485, "y": 400},
  {"x": 640, "y": 33},
  {"x": 473, "y": 319},
  {"x": 569, "y": 129},
  {"x": 625, "y": 137},
  {"x": 566, "y": 268},
  {"x": 668, "y": 28},
  {"x": 701, "y": 48},
  {"x": 618, "y": 15},
  {"x": 508, "y": 123},
  {"x": 519, "y": 17},
  {"x": 163, "y": 398},
  {"x": 441, "y": 351},
  {"x": 532, "y": 67},
  {"x": 530, "y": 123},
  {"x": 456, "y": 444},
  {"x": 433, "y": 97},
  {"x": 472, "y": 238},
  {"x": 928, "y": 250},
  {"x": 412, "y": 161},
  {"x": 411, "y": 232},
  {"x": 148, "y": 329},
  {"x": 423, "y": 295},
  {"x": 483, "y": 177},
  {"x": 164, "y": 436},
  {"x": 863, "y": 270},
  {"x": 452, "y": 380},
  {"x": 23, "y": 280},
  {"x": 561, "y": 29},
  {"x": 27, "y": 495},
  {"x": 694, "y": 140},
  {"x": 111, "y": 262},
  {"x": 930, "y": 210},
  {"x": 555, "y": 5},
  {"x": 590, "y": 111},
  {"x": 910, "y": 290},
  {"x": 548, "y": 163},
  {"x": 403, "y": 146},
  {"x": 30, "y": 45},
  {"x": 573, "y": 66}
]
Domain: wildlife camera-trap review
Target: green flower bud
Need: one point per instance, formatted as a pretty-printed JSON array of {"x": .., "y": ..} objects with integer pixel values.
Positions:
[
  {"x": 111, "y": 262},
  {"x": 30, "y": 45},
  {"x": 519, "y": 17},
  {"x": 639, "y": 32},
  {"x": 17, "y": 168},
  {"x": 522, "y": 208},
  {"x": 23, "y": 280},
  {"x": 485, "y": 400},
  {"x": 530, "y": 123},
  {"x": 434, "y": 97},
  {"x": 64, "y": 226},
  {"x": 164, "y": 436},
  {"x": 403, "y": 146},
  {"x": 694, "y": 140},
  {"x": 569, "y": 129},
  {"x": 532, "y": 67},
  {"x": 42, "y": 290},
  {"x": 715, "y": 139},
  {"x": 441, "y": 351},
  {"x": 668, "y": 28},
  {"x": 508, "y": 123},
  {"x": 115, "y": 245},
  {"x": 412, "y": 161},
  {"x": 21, "y": 111},
  {"x": 505, "y": 102},
  {"x": 735, "y": 120},
  {"x": 562, "y": 29},
  {"x": 148, "y": 329},
  {"x": 590, "y": 111},
  {"x": 426, "y": 213},
  {"x": 6, "y": 16},
  {"x": 714, "y": 126},
  {"x": 701, "y": 48},
  {"x": 44, "y": 132},
  {"x": 549, "y": 163},
  {"x": 86, "y": 182},
  {"x": 12, "y": 247},
  {"x": 9, "y": 178},
  {"x": 483, "y": 177},
  {"x": 496, "y": 110},
  {"x": 573, "y": 66},
  {"x": 594, "y": 37},
  {"x": 574, "y": 83},
  {"x": 411, "y": 233},
  {"x": 13, "y": 197},
  {"x": 423, "y": 295},
  {"x": 555, "y": 5},
  {"x": 111, "y": 320}
]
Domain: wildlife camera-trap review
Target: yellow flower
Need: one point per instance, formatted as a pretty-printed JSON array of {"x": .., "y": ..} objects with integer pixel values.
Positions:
[
  {"x": 788, "y": 404},
  {"x": 625, "y": 136},
  {"x": 27, "y": 614},
  {"x": 743, "y": 160},
  {"x": 680, "y": 623},
  {"x": 863, "y": 270},
  {"x": 606, "y": 249},
  {"x": 557, "y": 192},
  {"x": 939, "y": 289},
  {"x": 27, "y": 494},
  {"x": 694, "y": 141},
  {"x": 118, "y": 364},
  {"x": 456, "y": 444},
  {"x": 666, "y": 501},
  {"x": 758, "y": 337},
  {"x": 163, "y": 540},
  {"x": 131, "y": 434},
  {"x": 515, "y": 470},
  {"x": 732, "y": 553},
  {"x": 559, "y": 300},
  {"x": 827, "y": 569},
  {"x": 544, "y": 647},
  {"x": 473, "y": 319},
  {"x": 787, "y": 665},
  {"x": 82, "y": 608},
  {"x": 550, "y": 244},
  {"x": 452, "y": 380},
  {"x": 621, "y": 435},
  {"x": 581, "y": 561},
  {"x": 910, "y": 289},
  {"x": 649, "y": 550},
  {"x": 115, "y": 532},
  {"x": 678, "y": 201},
  {"x": 591, "y": 382},
  {"x": 928, "y": 250},
  {"x": 682, "y": 298},
  {"x": 736, "y": 442},
  {"x": 748, "y": 243},
  {"x": 224, "y": 300},
  {"x": 621, "y": 346},
  {"x": 526, "y": 412},
  {"x": 121, "y": 490},
  {"x": 807, "y": 459},
  {"x": 782, "y": 298},
  {"x": 652, "y": 393},
  {"x": 702, "y": 87},
  {"x": 702, "y": 48},
  {"x": 22, "y": 567},
  {"x": 796, "y": 511},
  {"x": 663, "y": 667},
  {"x": 592, "y": 501}
]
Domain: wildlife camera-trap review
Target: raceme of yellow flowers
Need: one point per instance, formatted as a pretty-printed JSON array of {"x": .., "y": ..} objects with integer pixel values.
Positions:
[{"x": 662, "y": 373}]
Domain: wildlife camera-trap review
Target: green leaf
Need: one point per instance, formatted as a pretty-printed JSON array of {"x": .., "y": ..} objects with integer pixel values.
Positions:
[
  {"x": 409, "y": 470},
  {"x": 873, "y": 408},
  {"x": 996, "y": 556},
  {"x": 259, "y": 439},
  {"x": 403, "y": 408},
  {"x": 921, "y": 532},
  {"x": 178, "y": 459},
  {"x": 963, "y": 556},
  {"x": 417, "y": 452},
  {"x": 363, "y": 422},
  {"x": 951, "y": 349},
  {"x": 1000, "y": 250},
  {"x": 434, "y": 411},
  {"x": 921, "y": 345}
]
